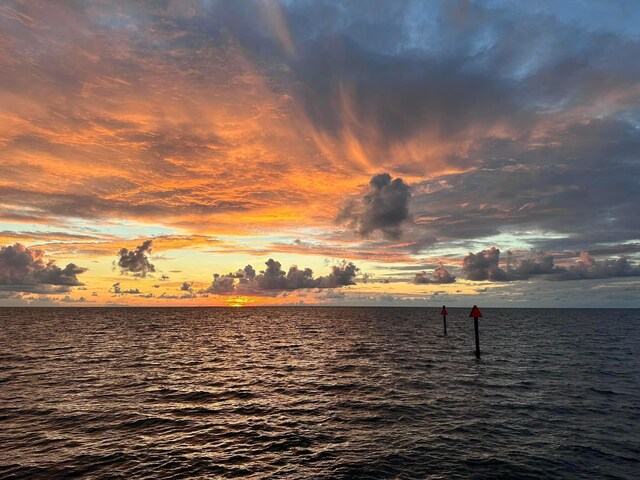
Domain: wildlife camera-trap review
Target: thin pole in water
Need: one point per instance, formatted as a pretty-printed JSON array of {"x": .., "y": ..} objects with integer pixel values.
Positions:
[
  {"x": 475, "y": 313},
  {"x": 443, "y": 312},
  {"x": 475, "y": 322}
]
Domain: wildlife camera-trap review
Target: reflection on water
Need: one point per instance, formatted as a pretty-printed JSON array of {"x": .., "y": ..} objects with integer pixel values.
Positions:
[{"x": 318, "y": 392}]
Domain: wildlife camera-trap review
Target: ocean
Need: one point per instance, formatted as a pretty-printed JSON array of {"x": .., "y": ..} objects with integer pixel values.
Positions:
[{"x": 318, "y": 393}]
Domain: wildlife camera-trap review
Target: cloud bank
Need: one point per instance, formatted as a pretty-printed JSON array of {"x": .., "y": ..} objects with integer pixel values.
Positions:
[
  {"x": 485, "y": 265},
  {"x": 24, "y": 269},
  {"x": 275, "y": 279},
  {"x": 589, "y": 268}
]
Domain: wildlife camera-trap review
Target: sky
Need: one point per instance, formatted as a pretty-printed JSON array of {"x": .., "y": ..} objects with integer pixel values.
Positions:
[{"x": 237, "y": 153}]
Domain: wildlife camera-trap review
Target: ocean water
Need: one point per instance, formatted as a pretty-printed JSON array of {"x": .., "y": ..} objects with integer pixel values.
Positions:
[{"x": 318, "y": 393}]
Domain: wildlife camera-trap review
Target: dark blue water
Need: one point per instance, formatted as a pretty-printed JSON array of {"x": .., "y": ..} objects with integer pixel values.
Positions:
[{"x": 318, "y": 393}]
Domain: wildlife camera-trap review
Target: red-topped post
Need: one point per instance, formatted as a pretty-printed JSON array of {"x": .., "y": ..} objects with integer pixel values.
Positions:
[
  {"x": 475, "y": 313},
  {"x": 443, "y": 312}
]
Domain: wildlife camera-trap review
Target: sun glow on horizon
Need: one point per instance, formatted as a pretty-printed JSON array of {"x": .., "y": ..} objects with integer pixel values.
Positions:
[{"x": 239, "y": 301}]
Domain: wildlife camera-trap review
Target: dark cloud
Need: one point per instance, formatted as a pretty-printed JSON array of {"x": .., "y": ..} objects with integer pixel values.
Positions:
[
  {"x": 523, "y": 268},
  {"x": 439, "y": 275},
  {"x": 384, "y": 207},
  {"x": 136, "y": 261},
  {"x": 243, "y": 275},
  {"x": 341, "y": 275},
  {"x": 221, "y": 284},
  {"x": 483, "y": 266},
  {"x": 249, "y": 272},
  {"x": 25, "y": 269},
  {"x": 187, "y": 287},
  {"x": 619, "y": 249},
  {"x": 274, "y": 278},
  {"x": 563, "y": 203},
  {"x": 589, "y": 268},
  {"x": 117, "y": 289},
  {"x": 442, "y": 98}
]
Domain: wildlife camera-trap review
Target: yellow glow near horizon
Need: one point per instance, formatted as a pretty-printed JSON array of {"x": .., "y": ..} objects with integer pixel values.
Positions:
[{"x": 240, "y": 301}]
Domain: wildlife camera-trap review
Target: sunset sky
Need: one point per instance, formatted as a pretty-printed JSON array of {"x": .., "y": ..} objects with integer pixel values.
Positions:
[{"x": 407, "y": 153}]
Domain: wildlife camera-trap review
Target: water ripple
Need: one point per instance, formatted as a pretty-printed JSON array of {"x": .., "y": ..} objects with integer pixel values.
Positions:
[{"x": 318, "y": 393}]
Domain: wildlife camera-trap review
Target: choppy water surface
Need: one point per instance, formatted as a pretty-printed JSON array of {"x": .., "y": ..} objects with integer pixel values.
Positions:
[{"x": 318, "y": 393}]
